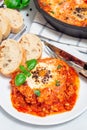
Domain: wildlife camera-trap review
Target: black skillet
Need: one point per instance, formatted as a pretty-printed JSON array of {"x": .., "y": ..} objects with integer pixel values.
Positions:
[{"x": 75, "y": 31}]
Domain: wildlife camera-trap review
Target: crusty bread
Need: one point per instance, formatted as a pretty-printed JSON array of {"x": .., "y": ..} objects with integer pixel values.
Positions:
[
  {"x": 32, "y": 46},
  {"x": 4, "y": 26},
  {"x": 15, "y": 18},
  {"x": 0, "y": 36},
  {"x": 11, "y": 56}
]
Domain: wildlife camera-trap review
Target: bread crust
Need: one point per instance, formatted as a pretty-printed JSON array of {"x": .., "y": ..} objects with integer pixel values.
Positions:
[
  {"x": 15, "y": 18},
  {"x": 32, "y": 46},
  {"x": 0, "y": 36}
]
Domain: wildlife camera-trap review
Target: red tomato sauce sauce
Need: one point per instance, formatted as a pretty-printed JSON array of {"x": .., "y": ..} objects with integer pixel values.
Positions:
[{"x": 55, "y": 97}]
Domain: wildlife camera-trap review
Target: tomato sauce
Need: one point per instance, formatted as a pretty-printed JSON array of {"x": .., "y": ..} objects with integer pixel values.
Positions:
[{"x": 58, "y": 94}]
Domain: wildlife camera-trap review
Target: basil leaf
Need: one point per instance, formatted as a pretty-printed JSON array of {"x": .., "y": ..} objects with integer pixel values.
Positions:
[
  {"x": 31, "y": 64},
  {"x": 12, "y": 3},
  {"x": 57, "y": 83},
  {"x": 16, "y": 4},
  {"x": 24, "y": 70},
  {"x": 20, "y": 79},
  {"x": 25, "y": 1}
]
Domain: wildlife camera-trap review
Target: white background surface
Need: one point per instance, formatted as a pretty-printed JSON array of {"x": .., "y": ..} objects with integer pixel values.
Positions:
[{"x": 9, "y": 123}]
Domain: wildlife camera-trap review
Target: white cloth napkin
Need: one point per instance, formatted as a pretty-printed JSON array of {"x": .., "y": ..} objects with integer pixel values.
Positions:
[{"x": 42, "y": 28}]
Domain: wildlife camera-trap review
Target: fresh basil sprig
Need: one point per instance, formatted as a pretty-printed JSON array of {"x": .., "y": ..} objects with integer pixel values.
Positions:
[
  {"x": 25, "y": 72},
  {"x": 16, "y": 4}
]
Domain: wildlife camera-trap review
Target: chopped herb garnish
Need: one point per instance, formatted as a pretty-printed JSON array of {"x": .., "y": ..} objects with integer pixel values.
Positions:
[
  {"x": 59, "y": 67},
  {"x": 52, "y": 12},
  {"x": 37, "y": 92},
  {"x": 57, "y": 83}
]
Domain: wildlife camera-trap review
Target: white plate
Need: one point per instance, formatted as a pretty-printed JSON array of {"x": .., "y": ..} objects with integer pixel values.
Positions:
[{"x": 79, "y": 108}]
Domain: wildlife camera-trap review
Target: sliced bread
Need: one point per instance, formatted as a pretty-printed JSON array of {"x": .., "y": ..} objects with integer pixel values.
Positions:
[
  {"x": 32, "y": 46},
  {"x": 11, "y": 56},
  {"x": 15, "y": 18},
  {"x": 4, "y": 26}
]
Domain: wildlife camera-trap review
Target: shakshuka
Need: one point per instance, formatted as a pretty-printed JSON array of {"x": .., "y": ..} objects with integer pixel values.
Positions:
[
  {"x": 52, "y": 88},
  {"x": 73, "y": 12}
]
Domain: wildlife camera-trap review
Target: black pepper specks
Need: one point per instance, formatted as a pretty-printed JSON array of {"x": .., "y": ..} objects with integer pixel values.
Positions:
[
  {"x": 41, "y": 75},
  {"x": 27, "y": 14},
  {"x": 80, "y": 12},
  {"x": 30, "y": 9}
]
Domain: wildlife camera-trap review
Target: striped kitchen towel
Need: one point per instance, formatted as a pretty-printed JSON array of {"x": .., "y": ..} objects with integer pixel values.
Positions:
[{"x": 43, "y": 29}]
